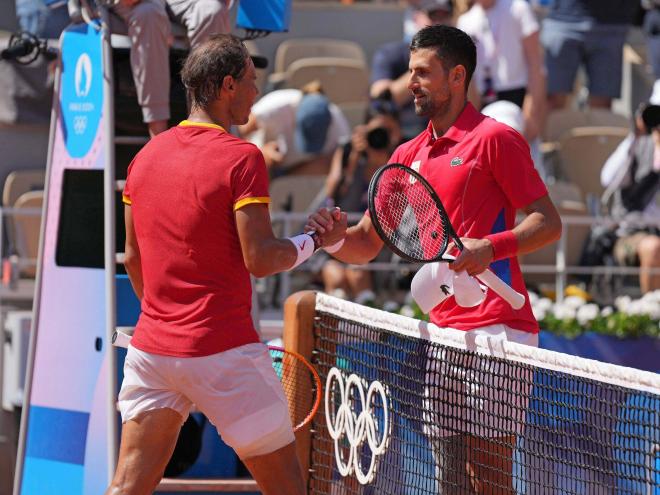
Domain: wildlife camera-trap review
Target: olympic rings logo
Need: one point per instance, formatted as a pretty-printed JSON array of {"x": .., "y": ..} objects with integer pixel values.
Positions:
[{"x": 356, "y": 428}]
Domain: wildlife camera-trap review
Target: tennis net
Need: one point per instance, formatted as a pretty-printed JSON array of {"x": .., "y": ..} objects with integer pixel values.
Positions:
[{"x": 413, "y": 409}]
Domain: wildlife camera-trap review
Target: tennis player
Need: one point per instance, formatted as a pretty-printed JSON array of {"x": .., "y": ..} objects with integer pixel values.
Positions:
[
  {"x": 483, "y": 172},
  {"x": 197, "y": 225}
]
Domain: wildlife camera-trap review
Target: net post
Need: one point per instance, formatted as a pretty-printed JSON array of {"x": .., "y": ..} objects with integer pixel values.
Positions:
[{"x": 298, "y": 336}]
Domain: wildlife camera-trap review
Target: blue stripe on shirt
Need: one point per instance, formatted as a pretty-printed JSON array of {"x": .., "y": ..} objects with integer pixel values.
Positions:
[{"x": 501, "y": 268}]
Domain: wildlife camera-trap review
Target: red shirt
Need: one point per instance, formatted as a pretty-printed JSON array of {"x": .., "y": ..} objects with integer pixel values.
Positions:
[
  {"x": 483, "y": 172},
  {"x": 183, "y": 188}
]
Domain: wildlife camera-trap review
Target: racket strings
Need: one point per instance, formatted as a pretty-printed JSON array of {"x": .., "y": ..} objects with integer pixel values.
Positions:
[
  {"x": 299, "y": 384},
  {"x": 409, "y": 216}
]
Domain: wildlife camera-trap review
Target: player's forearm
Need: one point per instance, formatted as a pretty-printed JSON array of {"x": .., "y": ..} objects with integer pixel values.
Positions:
[
  {"x": 541, "y": 226},
  {"x": 537, "y": 230},
  {"x": 271, "y": 256},
  {"x": 359, "y": 247}
]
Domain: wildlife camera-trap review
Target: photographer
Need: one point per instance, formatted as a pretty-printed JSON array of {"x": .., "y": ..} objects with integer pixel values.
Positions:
[
  {"x": 297, "y": 130},
  {"x": 352, "y": 166},
  {"x": 631, "y": 177}
]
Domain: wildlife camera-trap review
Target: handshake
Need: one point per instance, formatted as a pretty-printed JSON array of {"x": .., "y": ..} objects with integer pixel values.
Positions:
[
  {"x": 432, "y": 284},
  {"x": 327, "y": 231},
  {"x": 329, "y": 225}
]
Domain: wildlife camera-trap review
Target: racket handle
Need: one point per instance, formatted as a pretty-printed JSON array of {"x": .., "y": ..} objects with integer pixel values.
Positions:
[
  {"x": 121, "y": 339},
  {"x": 504, "y": 290}
]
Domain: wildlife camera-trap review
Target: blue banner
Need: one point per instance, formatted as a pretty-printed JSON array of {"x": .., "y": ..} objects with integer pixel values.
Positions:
[{"x": 81, "y": 94}]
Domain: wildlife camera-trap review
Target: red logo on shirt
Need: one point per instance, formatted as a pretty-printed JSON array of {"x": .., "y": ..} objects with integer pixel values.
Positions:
[{"x": 302, "y": 246}]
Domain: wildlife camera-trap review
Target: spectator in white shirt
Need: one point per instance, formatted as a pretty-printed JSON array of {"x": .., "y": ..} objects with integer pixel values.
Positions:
[
  {"x": 297, "y": 131},
  {"x": 510, "y": 63}
]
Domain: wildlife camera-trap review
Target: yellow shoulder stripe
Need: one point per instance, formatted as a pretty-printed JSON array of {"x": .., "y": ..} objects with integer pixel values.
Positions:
[
  {"x": 126, "y": 199},
  {"x": 188, "y": 123},
  {"x": 247, "y": 201}
]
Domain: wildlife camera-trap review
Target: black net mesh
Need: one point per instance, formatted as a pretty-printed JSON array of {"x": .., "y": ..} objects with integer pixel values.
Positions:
[{"x": 404, "y": 415}]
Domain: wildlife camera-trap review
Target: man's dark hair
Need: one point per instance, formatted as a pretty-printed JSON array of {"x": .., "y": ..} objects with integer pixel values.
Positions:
[
  {"x": 208, "y": 64},
  {"x": 452, "y": 46}
]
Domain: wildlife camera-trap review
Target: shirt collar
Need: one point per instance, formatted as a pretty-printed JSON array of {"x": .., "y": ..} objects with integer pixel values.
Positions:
[
  {"x": 189, "y": 123},
  {"x": 464, "y": 123}
]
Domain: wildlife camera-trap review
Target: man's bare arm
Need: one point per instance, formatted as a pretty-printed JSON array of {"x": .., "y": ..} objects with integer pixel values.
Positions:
[
  {"x": 541, "y": 226},
  {"x": 361, "y": 244},
  {"x": 249, "y": 127},
  {"x": 398, "y": 88},
  {"x": 534, "y": 104},
  {"x": 132, "y": 258},
  {"x": 263, "y": 253}
]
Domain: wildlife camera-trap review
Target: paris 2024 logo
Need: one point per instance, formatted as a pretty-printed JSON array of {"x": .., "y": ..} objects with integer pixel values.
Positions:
[{"x": 81, "y": 95}]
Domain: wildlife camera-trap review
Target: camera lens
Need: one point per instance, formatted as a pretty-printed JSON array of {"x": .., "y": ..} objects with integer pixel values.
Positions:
[{"x": 378, "y": 138}]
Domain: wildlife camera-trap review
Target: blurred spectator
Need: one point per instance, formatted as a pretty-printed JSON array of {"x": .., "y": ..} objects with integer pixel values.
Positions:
[
  {"x": 512, "y": 115},
  {"x": 420, "y": 13},
  {"x": 297, "y": 130},
  {"x": 45, "y": 19},
  {"x": 587, "y": 33},
  {"x": 389, "y": 67},
  {"x": 509, "y": 57},
  {"x": 150, "y": 33},
  {"x": 355, "y": 162},
  {"x": 632, "y": 180},
  {"x": 652, "y": 31},
  {"x": 26, "y": 91},
  {"x": 353, "y": 165},
  {"x": 617, "y": 161}
]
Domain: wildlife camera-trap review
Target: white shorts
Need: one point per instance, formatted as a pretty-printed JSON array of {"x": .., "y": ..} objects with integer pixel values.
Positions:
[
  {"x": 464, "y": 394},
  {"x": 237, "y": 390}
]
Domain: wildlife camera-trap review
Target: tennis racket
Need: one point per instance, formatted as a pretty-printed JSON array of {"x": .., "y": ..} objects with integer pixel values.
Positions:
[
  {"x": 408, "y": 216},
  {"x": 300, "y": 380}
]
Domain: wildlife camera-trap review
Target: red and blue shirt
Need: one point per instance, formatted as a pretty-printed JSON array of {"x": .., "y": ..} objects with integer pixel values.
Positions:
[{"x": 483, "y": 172}]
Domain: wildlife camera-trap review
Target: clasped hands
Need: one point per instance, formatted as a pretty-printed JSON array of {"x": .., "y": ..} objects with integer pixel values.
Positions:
[{"x": 329, "y": 224}]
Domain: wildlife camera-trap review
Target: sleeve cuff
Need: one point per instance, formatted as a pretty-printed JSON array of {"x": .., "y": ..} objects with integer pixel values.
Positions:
[
  {"x": 246, "y": 201},
  {"x": 505, "y": 245}
]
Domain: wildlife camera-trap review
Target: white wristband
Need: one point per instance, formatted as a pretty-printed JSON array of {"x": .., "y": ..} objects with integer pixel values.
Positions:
[
  {"x": 304, "y": 244},
  {"x": 334, "y": 247}
]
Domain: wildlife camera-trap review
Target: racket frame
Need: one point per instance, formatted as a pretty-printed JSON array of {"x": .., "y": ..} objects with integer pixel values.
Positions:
[
  {"x": 444, "y": 217},
  {"x": 317, "y": 383}
]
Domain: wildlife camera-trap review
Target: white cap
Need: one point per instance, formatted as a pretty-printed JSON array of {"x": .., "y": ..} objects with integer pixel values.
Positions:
[
  {"x": 467, "y": 290},
  {"x": 431, "y": 5},
  {"x": 655, "y": 94},
  {"x": 507, "y": 113},
  {"x": 432, "y": 284}
]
